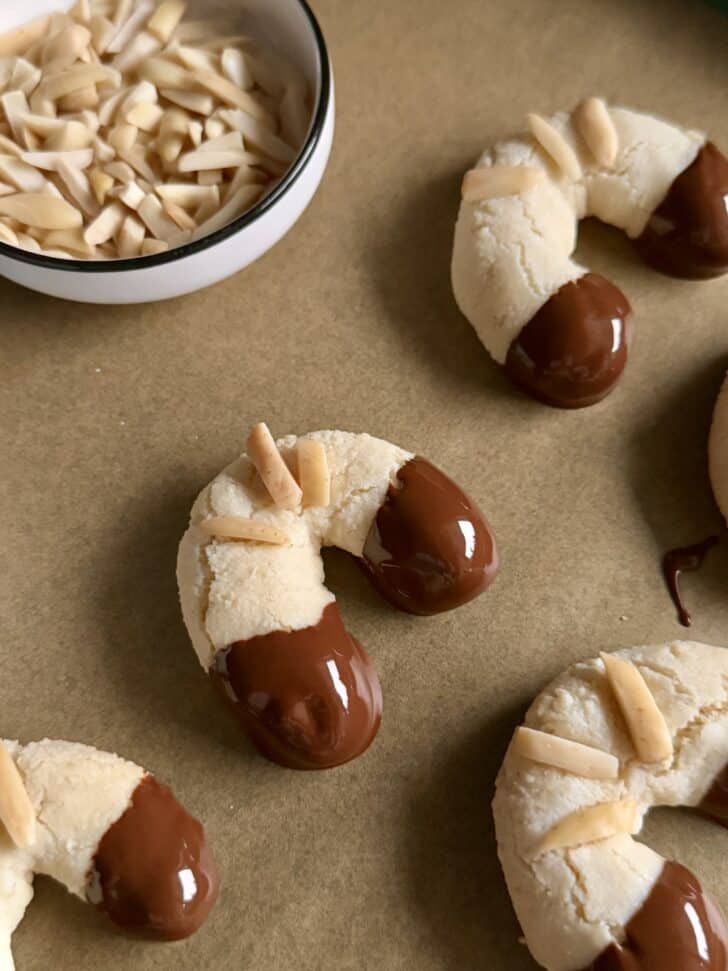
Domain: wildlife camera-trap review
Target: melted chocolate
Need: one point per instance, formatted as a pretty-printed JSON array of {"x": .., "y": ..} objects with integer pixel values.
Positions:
[
  {"x": 675, "y": 562},
  {"x": 154, "y": 874},
  {"x": 573, "y": 351},
  {"x": 308, "y": 699},
  {"x": 687, "y": 235},
  {"x": 429, "y": 548},
  {"x": 678, "y": 928},
  {"x": 715, "y": 801}
]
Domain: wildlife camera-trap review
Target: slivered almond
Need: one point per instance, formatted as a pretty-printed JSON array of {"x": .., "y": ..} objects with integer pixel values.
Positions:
[
  {"x": 16, "y": 107},
  {"x": 80, "y": 159},
  {"x": 131, "y": 194},
  {"x": 313, "y": 473},
  {"x": 123, "y": 137},
  {"x": 228, "y": 92},
  {"x": 647, "y": 726},
  {"x": 258, "y": 135},
  {"x": 70, "y": 138},
  {"x": 16, "y": 810},
  {"x": 102, "y": 30},
  {"x": 166, "y": 74},
  {"x": 194, "y": 58},
  {"x": 77, "y": 78},
  {"x": 235, "y": 206},
  {"x": 65, "y": 47},
  {"x": 70, "y": 240},
  {"x": 195, "y": 132},
  {"x": 121, "y": 171},
  {"x": 194, "y": 101},
  {"x": 81, "y": 10},
  {"x": 7, "y": 235},
  {"x": 101, "y": 183},
  {"x": 179, "y": 215},
  {"x": 18, "y": 41},
  {"x": 170, "y": 148},
  {"x": 106, "y": 224},
  {"x": 142, "y": 93},
  {"x": 214, "y": 128},
  {"x": 208, "y": 177},
  {"x": 25, "y": 76},
  {"x": 175, "y": 122},
  {"x": 41, "y": 211},
  {"x": 145, "y": 116},
  {"x": 595, "y": 125},
  {"x": 79, "y": 100},
  {"x": 7, "y": 190},
  {"x": 166, "y": 19},
  {"x": 136, "y": 158},
  {"x": 231, "y": 142},
  {"x": 232, "y": 61},
  {"x": 22, "y": 176},
  {"x": 498, "y": 181},
  {"x": 555, "y": 145},
  {"x": 202, "y": 160},
  {"x": 562, "y": 753},
  {"x": 122, "y": 11},
  {"x": 590, "y": 825},
  {"x": 184, "y": 194},
  {"x": 130, "y": 238},
  {"x": 144, "y": 45},
  {"x": 236, "y": 527},
  {"x": 276, "y": 476},
  {"x": 126, "y": 33},
  {"x": 157, "y": 221},
  {"x": 152, "y": 247}
]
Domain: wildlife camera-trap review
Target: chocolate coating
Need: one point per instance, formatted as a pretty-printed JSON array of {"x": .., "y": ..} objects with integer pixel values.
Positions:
[
  {"x": 687, "y": 235},
  {"x": 429, "y": 548},
  {"x": 308, "y": 699},
  {"x": 715, "y": 801},
  {"x": 154, "y": 874},
  {"x": 573, "y": 351},
  {"x": 678, "y": 928},
  {"x": 683, "y": 559}
]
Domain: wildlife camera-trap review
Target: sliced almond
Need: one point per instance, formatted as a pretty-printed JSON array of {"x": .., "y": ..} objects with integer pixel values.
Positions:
[
  {"x": 106, "y": 224},
  {"x": 313, "y": 473},
  {"x": 194, "y": 101},
  {"x": 130, "y": 238},
  {"x": 562, "y": 753},
  {"x": 498, "y": 181},
  {"x": 179, "y": 215},
  {"x": 276, "y": 476},
  {"x": 101, "y": 183},
  {"x": 202, "y": 160},
  {"x": 647, "y": 726},
  {"x": 41, "y": 211},
  {"x": 166, "y": 19},
  {"x": 591, "y": 824},
  {"x": 16, "y": 810},
  {"x": 555, "y": 145},
  {"x": 595, "y": 125},
  {"x": 145, "y": 116},
  {"x": 236, "y": 527},
  {"x": 231, "y": 94},
  {"x": 82, "y": 158}
]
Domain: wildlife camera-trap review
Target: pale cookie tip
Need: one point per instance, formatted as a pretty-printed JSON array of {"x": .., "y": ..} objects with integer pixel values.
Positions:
[
  {"x": 591, "y": 825},
  {"x": 16, "y": 810},
  {"x": 647, "y": 726},
  {"x": 564, "y": 754}
]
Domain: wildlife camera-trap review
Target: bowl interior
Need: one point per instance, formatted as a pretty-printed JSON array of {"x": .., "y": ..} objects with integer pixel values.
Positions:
[{"x": 282, "y": 25}]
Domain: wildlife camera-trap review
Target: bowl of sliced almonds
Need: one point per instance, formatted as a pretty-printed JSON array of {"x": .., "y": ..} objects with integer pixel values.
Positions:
[{"x": 149, "y": 148}]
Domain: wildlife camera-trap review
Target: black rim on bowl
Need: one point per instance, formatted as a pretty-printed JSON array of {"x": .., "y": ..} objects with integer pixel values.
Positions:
[{"x": 205, "y": 242}]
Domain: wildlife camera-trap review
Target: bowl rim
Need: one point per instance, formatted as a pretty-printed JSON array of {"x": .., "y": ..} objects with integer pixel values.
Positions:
[{"x": 249, "y": 217}]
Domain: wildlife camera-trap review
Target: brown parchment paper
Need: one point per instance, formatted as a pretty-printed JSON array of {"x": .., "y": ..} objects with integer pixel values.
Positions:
[{"x": 113, "y": 419}]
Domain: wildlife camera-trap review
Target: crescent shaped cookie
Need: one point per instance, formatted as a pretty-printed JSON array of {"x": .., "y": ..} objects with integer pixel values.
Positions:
[
  {"x": 251, "y": 580},
  {"x": 605, "y": 742},
  {"x": 109, "y": 832},
  {"x": 561, "y": 331}
]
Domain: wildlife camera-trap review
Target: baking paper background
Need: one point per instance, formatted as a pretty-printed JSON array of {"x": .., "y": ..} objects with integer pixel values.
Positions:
[{"x": 113, "y": 419}]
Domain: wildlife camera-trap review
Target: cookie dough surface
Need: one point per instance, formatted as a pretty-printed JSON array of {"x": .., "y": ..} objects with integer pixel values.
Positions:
[
  {"x": 512, "y": 253},
  {"x": 234, "y": 591},
  {"x": 574, "y": 903}
]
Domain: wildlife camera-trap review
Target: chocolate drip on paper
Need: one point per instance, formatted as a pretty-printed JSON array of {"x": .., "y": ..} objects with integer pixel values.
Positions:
[{"x": 680, "y": 560}]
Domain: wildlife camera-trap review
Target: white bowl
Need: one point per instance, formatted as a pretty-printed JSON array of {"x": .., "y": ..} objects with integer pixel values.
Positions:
[{"x": 292, "y": 28}]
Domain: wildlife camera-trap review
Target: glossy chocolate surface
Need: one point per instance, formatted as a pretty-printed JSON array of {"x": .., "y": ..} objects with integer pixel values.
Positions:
[
  {"x": 573, "y": 351},
  {"x": 154, "y": 874},
  {"x": 308, "y": 699},
  {"x": 715, "y": 801},
  {"x": 687, "y": 235},
  {"x": 682, "y": 559},
  {"x": 429, "y": 548},
  {"x": 678, "y": 928}
]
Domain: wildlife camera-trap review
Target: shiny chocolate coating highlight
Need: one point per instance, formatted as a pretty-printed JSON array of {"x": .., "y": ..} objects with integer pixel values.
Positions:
[
  {"x": 687, "y": 235},
  {"x": 715, "y": 801},
  {"x": 678, "y": 928},
  {"x": 154, "y": 874},
  {"x": 308, "y": 699},
  {"x": 573, "y": 351},
  {"x": 429, "y": 548}
]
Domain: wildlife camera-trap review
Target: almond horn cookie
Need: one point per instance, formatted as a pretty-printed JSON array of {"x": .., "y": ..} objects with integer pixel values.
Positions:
[
  {"x": 251, "y": 580},
  {"x": 604, "y": 743},
  {"x": 109, "y": 832},
  {"x": 561, "y": 331}
]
